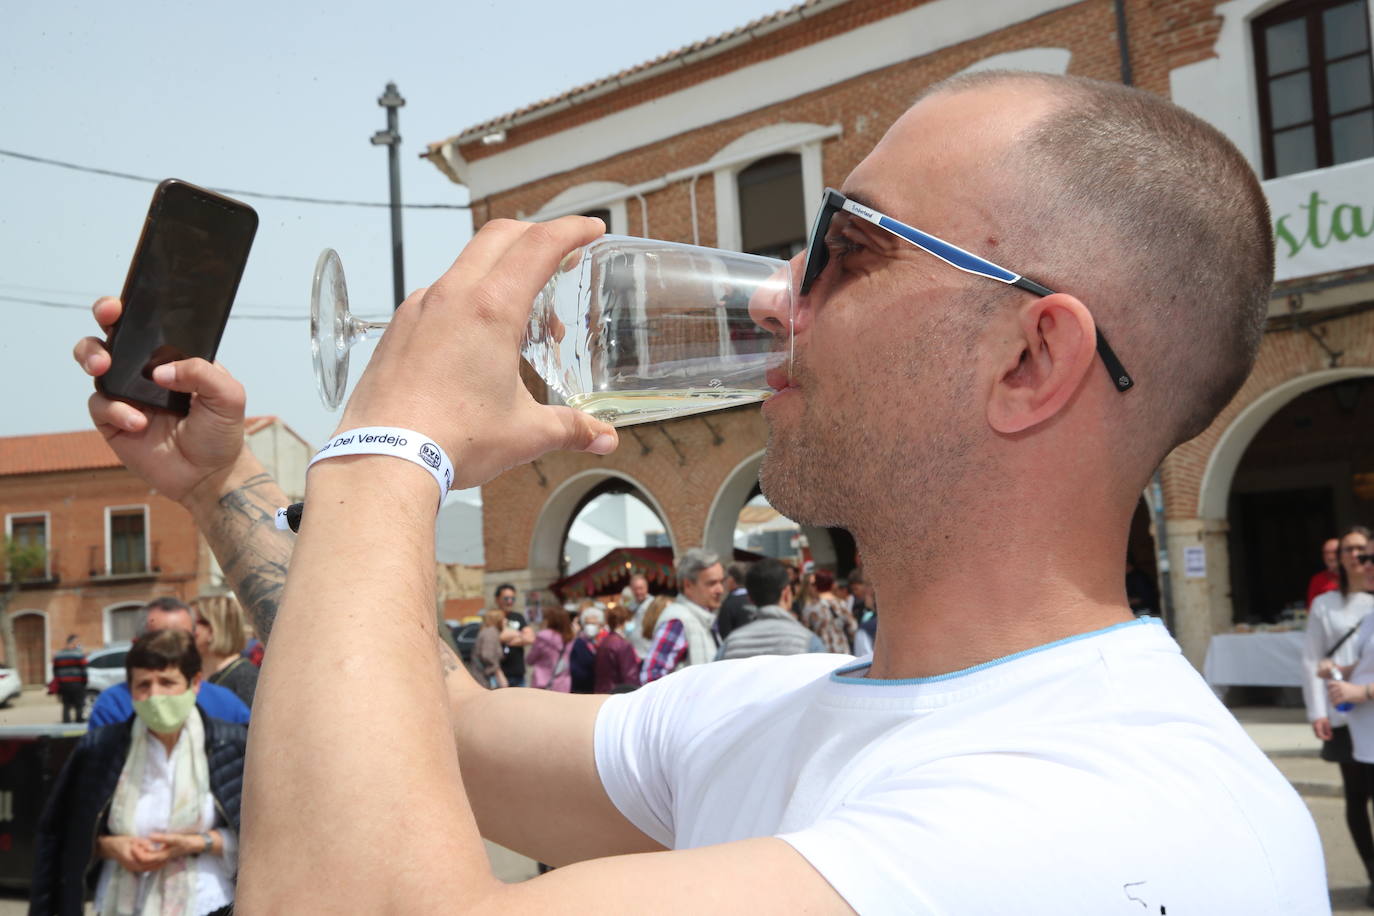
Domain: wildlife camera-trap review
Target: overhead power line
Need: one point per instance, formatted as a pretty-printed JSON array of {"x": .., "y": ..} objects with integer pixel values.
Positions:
[
  {"x": 48, "y": 303},
  {"x": 110, "y": 173}
]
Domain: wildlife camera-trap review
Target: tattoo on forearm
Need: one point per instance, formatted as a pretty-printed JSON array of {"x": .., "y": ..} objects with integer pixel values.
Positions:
[{"x": 252, "y": 552}]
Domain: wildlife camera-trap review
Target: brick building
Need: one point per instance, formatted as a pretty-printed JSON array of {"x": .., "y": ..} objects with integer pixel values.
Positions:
[
  {"x": 112, "y": 542},
  {"x": 729, "y": 141}
]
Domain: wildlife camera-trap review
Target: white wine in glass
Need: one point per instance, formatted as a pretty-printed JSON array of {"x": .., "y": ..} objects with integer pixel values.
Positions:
[{"x": 629, "y": 330}]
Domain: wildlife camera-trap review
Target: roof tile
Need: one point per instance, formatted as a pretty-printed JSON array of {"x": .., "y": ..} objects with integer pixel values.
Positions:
[
  {"x": 704, "y": 44},
  {"x": 77, "y": 451}
]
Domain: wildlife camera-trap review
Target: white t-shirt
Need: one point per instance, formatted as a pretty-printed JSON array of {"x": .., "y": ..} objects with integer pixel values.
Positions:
[
  {"x": 1332, "y": 616},
  {"x": 1096, "y": 774},
  {"x": 1361, "y": 716}
]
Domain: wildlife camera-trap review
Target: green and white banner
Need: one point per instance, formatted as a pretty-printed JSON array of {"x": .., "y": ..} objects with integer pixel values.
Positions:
[{"x": 1323, "y": 220}]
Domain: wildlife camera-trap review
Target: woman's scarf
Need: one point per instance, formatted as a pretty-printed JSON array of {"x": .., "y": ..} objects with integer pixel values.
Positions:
[{"x": 171, "y": 890}]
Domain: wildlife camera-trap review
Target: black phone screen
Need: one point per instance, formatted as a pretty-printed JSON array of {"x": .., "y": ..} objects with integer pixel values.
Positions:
[{"x": 180, "y": 288}]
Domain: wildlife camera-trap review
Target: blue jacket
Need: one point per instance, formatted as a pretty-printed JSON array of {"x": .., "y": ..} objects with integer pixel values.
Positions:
[
  {"x": 65, "y": 863},
  {"x": 116, "y": 705}
]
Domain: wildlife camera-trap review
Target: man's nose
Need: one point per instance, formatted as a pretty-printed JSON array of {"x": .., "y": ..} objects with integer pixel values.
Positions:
[{"x": 775, "y": 306}]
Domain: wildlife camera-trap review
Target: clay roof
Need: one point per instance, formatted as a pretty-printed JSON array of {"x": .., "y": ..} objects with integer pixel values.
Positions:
[
  {"x": 631, "y": 74},
  {"x": 80, "y": 451}
]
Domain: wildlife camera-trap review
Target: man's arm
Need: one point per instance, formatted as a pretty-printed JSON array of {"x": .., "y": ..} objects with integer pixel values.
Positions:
[
  {"x": 236, "y": 511},
  {"x": 386, "y": 824}
]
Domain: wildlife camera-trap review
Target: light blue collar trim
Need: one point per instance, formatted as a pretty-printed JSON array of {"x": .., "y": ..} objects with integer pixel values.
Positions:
[{"x": 839, "y": 677}]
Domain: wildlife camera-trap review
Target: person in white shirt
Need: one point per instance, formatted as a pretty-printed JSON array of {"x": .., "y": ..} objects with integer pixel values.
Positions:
[
  {"x": 1018, "y": 742},
  {"x": 640, "y": 599},
  {"x": 1332, "y": 624}
]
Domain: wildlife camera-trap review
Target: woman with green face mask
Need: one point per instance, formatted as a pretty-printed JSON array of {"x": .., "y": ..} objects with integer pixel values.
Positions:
[{"x": 146, "y": 812}]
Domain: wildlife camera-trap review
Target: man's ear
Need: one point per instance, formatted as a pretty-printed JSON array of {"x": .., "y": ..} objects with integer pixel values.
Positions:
[{"x": 1041, "y": 363}]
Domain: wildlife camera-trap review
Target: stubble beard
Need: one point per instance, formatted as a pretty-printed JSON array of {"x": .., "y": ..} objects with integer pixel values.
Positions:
[{"x": 889, "y": 478}]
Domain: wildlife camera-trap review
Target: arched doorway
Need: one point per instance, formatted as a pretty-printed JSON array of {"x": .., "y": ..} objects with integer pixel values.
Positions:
[
  {"x": 612, "y": 514},
  {"x": 548, "y": 559},
  {"x": 1142, "y": 564},
  {"x": 1305, "y": 474},
  {"x": 31, "y": 643},
  {"x": 740, "y": 517}
]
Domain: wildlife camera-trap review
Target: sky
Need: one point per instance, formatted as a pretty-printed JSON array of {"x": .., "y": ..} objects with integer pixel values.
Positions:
[{"x": 276, "y": 97}]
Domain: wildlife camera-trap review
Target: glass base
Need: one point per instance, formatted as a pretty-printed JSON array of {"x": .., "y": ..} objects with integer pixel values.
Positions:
[{"x": 329, "y": 338}]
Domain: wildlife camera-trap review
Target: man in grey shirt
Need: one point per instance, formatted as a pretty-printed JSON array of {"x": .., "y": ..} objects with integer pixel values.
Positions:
[{"x": 773, "y": 631}]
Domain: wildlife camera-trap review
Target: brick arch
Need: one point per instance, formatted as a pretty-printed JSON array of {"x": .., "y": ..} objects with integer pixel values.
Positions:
[
  {"x": 546, "y": 544},
  {"x": 733, "y": 493},
  {"x": 681, "y": 464},
  {"x": 1198, "y": 474}
]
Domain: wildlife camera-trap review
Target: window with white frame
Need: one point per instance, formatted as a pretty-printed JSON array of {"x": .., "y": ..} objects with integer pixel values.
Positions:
[
  {"x": 121, "y": 623},
  {"x": 772, "y": 206},
  {"x": 28, "y": 533},
  {"x": 1316, "y": 90},
  {"x": 126, "y": 540}
]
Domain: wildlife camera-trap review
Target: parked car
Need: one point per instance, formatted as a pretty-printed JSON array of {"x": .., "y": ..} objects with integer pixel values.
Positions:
[
  {"x": 465, "y": 635},
  {"x": 104, "y": 667},
  {"x": 10, "y": 686}
]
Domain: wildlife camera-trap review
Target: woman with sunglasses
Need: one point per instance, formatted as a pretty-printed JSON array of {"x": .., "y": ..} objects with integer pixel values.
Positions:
[{"x": 1338, "y": 636}]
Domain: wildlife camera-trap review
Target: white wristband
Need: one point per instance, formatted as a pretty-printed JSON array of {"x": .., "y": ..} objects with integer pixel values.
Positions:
[{"x": 399, "y": 443}]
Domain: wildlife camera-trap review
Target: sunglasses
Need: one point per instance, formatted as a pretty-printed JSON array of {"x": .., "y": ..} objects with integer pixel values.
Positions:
[{"x": 818, "y": 255}]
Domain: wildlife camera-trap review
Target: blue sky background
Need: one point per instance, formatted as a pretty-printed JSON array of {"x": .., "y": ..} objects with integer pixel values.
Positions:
[{"x": 277, "y": 97}]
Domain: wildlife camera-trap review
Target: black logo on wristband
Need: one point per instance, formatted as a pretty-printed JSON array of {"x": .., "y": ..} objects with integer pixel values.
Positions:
[{"x": 430, "y": 455}]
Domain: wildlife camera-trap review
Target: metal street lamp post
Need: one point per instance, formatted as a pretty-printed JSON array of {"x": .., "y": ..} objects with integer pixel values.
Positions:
[{"x": 391, "y": 138}]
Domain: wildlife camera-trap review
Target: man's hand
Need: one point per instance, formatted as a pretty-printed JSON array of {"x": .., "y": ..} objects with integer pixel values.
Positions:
[
  {"x": 201, "y": 461},
  {"x": 1322, "y": 728},
  {"x": 447, "y": 365},
  {"x": 134, "y": 853},
  {"x": 172, "y": 453}
]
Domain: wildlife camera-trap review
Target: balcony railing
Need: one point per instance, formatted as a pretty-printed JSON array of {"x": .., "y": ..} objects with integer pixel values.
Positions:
[{"x": 98, "y": 570}]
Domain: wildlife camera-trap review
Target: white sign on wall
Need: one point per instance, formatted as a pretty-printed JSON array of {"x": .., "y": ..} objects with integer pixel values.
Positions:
[
  {"x": 1323, "y": 220},
  {"x": 1195, "y": 562}
]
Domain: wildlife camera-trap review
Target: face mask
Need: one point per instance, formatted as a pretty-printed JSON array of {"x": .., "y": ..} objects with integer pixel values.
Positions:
[
  {"x": 590, "y": 630},
  {"x": 166, "y": 713}
]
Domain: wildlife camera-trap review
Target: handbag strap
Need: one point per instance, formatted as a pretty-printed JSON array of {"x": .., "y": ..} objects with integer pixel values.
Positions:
[{"x": 1340, "y": 642}]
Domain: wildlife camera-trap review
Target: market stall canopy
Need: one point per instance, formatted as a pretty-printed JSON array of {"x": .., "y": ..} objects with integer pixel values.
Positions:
[{"x": 612, "y": 572}]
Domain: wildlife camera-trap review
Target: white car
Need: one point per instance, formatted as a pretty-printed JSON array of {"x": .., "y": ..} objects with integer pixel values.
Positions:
[
  {"x": 105, "y": 667},
  {"x": 10, "y": 687}
]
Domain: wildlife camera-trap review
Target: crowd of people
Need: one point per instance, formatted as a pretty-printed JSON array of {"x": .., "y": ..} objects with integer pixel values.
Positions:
[{"x": 619, "y": 642}]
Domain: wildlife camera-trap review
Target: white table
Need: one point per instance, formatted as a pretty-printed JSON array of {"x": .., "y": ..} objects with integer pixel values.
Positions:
[{"x": 1254, "y": 659}]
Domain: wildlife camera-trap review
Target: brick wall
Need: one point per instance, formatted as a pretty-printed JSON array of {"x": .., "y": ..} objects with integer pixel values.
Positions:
[
  {"x": 1284, "y": 355},
  {"x": 76, "y": 503}
]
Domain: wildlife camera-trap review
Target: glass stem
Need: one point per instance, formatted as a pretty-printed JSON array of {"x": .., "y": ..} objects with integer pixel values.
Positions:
[{"x": 360, "y": 330}]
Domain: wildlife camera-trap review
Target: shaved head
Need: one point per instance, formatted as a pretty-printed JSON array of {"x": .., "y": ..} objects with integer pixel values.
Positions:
[{"x": 1152, "y": 218}]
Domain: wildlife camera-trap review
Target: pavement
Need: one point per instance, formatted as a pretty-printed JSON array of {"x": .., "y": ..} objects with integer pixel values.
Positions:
[{"x": 1282, "y": 733}]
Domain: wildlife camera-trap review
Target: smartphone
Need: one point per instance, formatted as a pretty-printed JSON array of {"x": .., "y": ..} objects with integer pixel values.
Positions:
[{"x": 181, "y": 285}]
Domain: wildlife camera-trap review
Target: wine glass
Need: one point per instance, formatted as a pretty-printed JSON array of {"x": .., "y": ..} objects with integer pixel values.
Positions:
[{"x": 629, "y": 330}]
